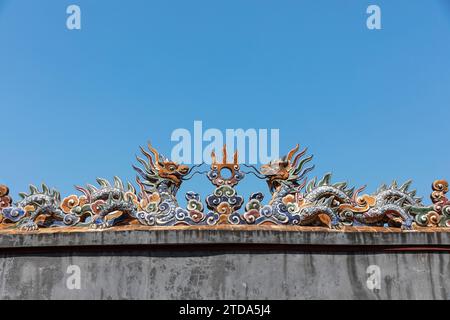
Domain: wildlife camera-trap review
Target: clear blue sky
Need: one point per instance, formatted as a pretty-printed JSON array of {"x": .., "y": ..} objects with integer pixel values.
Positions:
[{"x": 371, "y": 105}]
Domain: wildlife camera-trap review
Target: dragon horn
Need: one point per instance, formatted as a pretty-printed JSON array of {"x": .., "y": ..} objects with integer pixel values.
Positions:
[
  {"x": 298, "y": 156},
  {"x": 149, "y": 157},
  {"x": 292, "y": 152},
  {"x": 155, "y": 153}
]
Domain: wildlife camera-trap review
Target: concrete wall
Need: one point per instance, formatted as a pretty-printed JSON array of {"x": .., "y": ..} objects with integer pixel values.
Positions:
[{"x": 195, "y": 264}]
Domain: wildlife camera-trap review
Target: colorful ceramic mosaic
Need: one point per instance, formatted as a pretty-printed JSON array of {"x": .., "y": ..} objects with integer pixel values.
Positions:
[{"x": 295, "y": 200}]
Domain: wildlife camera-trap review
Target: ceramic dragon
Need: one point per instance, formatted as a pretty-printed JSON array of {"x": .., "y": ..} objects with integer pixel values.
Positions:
[
  {"x": 389, "y": 205},
  {"x": 286, "y": 178},
  {"x": 159, "y": 180},
  {"x": 332, "y": 204},
  {"x": 101, "y": 206},
  {"x": 39, "y": 208},
  {"x": 106, "y": 205}
]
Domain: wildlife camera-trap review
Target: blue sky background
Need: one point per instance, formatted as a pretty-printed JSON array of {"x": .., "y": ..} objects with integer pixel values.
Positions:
[{"x": 371, "y": 105}]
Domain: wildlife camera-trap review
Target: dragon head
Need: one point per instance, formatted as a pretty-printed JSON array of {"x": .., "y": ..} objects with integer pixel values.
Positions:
[
  {"x": 287, "y": 170},
  {"x": 158, "y": 169}
]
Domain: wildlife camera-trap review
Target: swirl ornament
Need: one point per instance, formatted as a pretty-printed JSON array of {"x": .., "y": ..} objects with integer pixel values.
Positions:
[
  {"x": 5, "y": 199},
  {"x": 69, "y": 203},
  {"x": 13, "y": 214},
  {"x": 436, "y": 215}
]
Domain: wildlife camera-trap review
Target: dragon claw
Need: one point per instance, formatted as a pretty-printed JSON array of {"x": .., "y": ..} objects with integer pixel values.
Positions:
[
  {"x": 104, "y": 226},
  {"x": 337, "y": 226},
  {"x": 100, "y": 225},
  {"x": 29, "y": 226},
  {"x": 407, "y": 226}
]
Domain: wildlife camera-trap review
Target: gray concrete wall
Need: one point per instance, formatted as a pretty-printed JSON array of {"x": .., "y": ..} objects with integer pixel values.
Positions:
[{"x": 224, "y": 265}]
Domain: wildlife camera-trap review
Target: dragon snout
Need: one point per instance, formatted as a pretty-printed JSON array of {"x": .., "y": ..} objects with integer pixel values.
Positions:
[{"x": 182, "y": 169}]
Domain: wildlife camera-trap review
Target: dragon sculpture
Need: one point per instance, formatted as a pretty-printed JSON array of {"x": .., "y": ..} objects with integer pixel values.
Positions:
[
  {"x": 106, "y": 205},
  {"x": 39, "y": 208},
  {"x": 389, "y": 206},
  {"x": 295, "y": 200},
  {"x": 332, "y": 204},
  {"x": 46, "y": 209},
  {"x": 159, "y": 180},
  {"x": 286, "y": 177}
]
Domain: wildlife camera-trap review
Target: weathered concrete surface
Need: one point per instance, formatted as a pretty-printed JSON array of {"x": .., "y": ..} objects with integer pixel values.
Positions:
[
  {"x": 226, "y": 234},
  {"x": 194, "y": 266}
]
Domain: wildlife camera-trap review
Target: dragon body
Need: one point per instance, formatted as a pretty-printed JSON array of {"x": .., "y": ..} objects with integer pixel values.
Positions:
[
  {"x": 333, "y": 205},
  {"x": 286, "y": 177},
  {"x": 159, "y": 180},
  {"x": 43, "y": 205},
  {"x": 390, "y": 205},
  {"x": 108, "y": 203}
]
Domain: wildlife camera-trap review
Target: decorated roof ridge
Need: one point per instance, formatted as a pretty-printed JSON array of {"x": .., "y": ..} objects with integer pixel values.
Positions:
[{"x": 295, "y": 199}]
